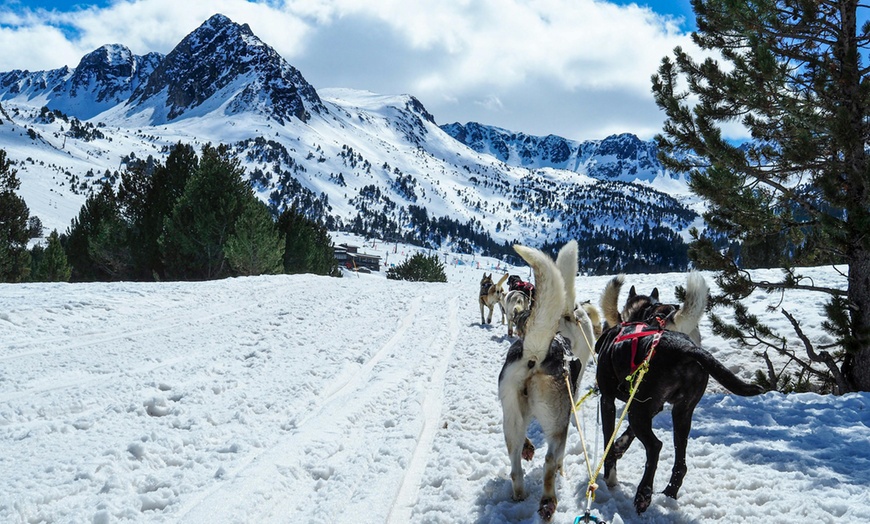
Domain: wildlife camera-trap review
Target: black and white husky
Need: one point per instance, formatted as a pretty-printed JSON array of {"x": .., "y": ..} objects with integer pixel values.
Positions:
[
  {"x": 532, "y": 381},
  {"x": 686, "y": 319}
]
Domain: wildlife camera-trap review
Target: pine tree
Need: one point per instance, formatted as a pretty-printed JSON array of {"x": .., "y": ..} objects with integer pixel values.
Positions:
[
  {"x": 96, "y": 242},
  {"x": 203, "y": 218},
  {"x": 14, "y": 232},
  {"x": 146, "y": 197},
  {"x": 50, "y": 263},
  {"x": 419, "y": 268},
  {"x": 255, "y": 248},
  {"x": 307, "y": 247},
  {"x": 798, "y": 191}
]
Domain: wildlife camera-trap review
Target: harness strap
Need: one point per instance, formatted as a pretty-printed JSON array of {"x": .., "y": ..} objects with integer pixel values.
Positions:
[
  {"x": 636, "y": 335},
  {"x": 636, "y": 332}
]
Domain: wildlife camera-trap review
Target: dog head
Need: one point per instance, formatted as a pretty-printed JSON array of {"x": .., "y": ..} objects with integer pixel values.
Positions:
[
  {"x": 485, "y": 283},
  {"x": 644, "y": 308}
]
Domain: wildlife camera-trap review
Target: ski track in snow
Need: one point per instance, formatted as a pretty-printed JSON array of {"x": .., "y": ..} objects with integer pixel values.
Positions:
[
  {"x": 349, "y": 405},
  {"x": 314, "y": 399}
]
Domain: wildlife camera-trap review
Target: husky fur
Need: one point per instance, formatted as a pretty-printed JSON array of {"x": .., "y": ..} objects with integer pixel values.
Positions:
[
  {"x": 515, "y": 303},
  {"x": 490, "y": 295},
  {"x": 686, "y": 319},
  {"x": 678, "y": 374},
  {"x": 532, "y": 381},
  {"x": 594, "y": 316}
]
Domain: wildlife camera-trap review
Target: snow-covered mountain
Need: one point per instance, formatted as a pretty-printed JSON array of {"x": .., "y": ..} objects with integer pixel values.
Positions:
[
  {"x": 358, "y": 161},
  {"x": 103, "y": 79},
  {"x": 618, "y": 157}
]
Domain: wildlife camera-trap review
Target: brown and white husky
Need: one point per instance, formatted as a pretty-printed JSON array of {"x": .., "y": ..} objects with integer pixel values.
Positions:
[
  {"x": 532, "y": 381},
  {"x": 490, "y": 295}
]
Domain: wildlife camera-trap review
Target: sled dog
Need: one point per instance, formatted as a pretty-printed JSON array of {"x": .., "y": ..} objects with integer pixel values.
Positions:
[
  {"x": 594, "y": 316},
  {"x": 532, "y": 380},
  {"x": 490, "y": 295},
  {"x": 515, "y": 303},
  {"x": 678, "y": 372},
  {"x": 686, "y": 319}
]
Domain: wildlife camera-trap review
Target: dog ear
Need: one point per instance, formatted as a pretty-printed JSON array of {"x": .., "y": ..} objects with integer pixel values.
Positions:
[
  {"x": 655, "y": 294},
  {"x": 631, "y": 292}
]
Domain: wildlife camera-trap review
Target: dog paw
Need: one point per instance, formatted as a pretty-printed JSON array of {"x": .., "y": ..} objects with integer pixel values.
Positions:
[
  {"x": 671, "y": 491},
  {"x": 610, "y": 477},
  {"x": 547, "y": 508},
  {"x": 643, "y": 499},
  {"x": 528, "y": 450}
]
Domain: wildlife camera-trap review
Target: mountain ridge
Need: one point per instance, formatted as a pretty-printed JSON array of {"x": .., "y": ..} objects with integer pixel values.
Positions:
[{"x": 372, "y": 164}]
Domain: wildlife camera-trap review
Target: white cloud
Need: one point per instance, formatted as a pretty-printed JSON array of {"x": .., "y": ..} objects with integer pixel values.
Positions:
[{"x": 489, "y": 60}]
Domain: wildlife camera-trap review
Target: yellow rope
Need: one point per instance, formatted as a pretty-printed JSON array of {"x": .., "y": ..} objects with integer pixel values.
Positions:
[
  {"x": 638, "y": 376},
  {"x": 574, "y": 407}
]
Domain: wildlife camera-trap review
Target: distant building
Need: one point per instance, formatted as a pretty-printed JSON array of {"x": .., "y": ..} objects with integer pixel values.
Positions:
[{"x": 349, "y": 256}]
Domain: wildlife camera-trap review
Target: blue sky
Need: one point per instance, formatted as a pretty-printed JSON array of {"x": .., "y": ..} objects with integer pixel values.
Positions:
[{"x": 575, "y": 68}]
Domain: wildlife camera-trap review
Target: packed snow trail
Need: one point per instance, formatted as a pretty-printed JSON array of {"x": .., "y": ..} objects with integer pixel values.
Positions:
[{"x": 313, "y": 399}]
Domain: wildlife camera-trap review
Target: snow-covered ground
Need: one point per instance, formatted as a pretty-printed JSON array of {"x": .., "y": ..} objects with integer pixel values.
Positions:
[{"x": 313, "y": 399}]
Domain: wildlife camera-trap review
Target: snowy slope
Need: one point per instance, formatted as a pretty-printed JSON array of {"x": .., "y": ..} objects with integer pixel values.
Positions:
[{"x": 312, "y": 399}]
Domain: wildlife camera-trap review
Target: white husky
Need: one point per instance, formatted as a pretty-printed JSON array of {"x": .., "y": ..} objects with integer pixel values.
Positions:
[{"x": 532, "y": 381}]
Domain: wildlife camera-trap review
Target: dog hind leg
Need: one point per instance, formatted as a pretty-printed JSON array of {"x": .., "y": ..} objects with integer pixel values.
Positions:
[
  {"x": 641, "y": 423},
  {"x": 682, "y": 417},
  {"x": 514, "y": 425},
  {"x": 608, "y": 427},
  {"x": 552, "y": 465},
  {"x": 621, "y": 445}
]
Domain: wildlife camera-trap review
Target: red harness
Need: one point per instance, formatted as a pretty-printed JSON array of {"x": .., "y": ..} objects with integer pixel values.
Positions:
[{"x": 635, "y": 331}]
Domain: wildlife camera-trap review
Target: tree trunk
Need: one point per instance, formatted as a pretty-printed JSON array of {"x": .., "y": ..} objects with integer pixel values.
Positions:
[
  {"x": 851, "y": 134},
  {"x": 857, "y": 364}
]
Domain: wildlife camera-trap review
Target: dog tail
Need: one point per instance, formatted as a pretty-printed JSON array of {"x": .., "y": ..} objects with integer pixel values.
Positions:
[
  {"x": 594, "y": 316},
  {"x": 610, "y": 298},
  {"x": 566, "y": 261},
  {"x": 577, "y": 325},
  {"x": 501, "y": 281},
  {"x": 544, "y": 318},
  {"x": 723, "y": 375},
  {"x": 687, "y": 318}
]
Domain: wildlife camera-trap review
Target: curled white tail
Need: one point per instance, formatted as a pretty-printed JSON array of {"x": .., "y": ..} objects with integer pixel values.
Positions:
[
  {"x": 549, "y": 303},
  {"x": 689, "y": 316}
]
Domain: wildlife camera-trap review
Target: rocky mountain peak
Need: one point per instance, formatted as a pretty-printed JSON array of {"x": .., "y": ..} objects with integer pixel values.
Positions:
[
  {"x": 111, "y": 72},
  {"x": 222, "y": 60}
]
